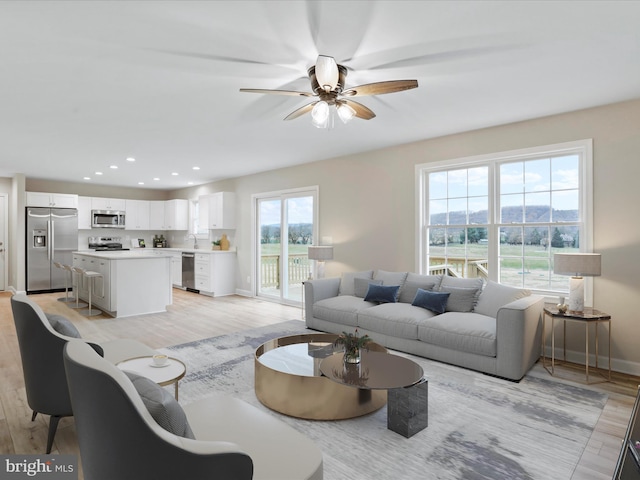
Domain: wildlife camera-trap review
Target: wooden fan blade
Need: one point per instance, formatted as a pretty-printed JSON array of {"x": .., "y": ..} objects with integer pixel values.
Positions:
[
  {"x": 277, "y": 92},
  {"x": 380, "y": 88},
  {"x": 361, "y": 111},
  {"x": 300, "y": 111}
]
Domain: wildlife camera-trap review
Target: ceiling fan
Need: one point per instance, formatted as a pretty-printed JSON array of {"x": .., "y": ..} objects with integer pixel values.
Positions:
[{"x": 328, "y": 83}]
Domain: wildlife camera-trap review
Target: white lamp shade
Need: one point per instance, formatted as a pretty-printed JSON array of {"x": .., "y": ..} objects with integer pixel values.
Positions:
[
  {"x": 345, "y": 112},
  {"x": 577, "y": 264},
  {"x": 320, "y": 114},
  {"x": 327, "y": 72},
  {"x": 321, "y": 253}
]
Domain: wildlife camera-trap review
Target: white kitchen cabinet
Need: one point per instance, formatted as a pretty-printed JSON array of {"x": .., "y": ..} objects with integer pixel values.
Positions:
[
  {"x": 137, "y": 215},
  {"x": 99, "y": 203},
  {"x": 156, "y": 215},
  {"x": 215, "y": 273},
  {"x": 176, "y": 269},
  {"x": 176, "y": 214},
  {"x": 57, "y": 200},
  {"x": 101, "y": 289},
  {"x": 218, "y": 211},
  {"x": 84, "y": 213}
]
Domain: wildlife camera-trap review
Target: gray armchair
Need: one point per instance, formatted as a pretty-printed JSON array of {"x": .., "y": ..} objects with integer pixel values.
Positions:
[
  {"x": 41, "y": 349},
  {"x": 231, "y": 440}
]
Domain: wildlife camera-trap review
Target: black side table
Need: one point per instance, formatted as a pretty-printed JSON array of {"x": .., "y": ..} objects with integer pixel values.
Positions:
[{"x": 590, "y": 316}]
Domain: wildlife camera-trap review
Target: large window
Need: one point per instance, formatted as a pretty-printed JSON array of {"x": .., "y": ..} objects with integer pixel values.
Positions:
[{"x": 503, "y": 216}]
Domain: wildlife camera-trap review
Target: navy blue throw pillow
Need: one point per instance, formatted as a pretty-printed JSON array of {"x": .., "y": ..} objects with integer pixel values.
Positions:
[
  {"x": 382, "y": 293},
  {"x": 434, "y": 301}
]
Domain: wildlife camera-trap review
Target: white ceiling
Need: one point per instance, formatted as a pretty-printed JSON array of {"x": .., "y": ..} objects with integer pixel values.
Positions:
[{"x": 83, "y": 85}]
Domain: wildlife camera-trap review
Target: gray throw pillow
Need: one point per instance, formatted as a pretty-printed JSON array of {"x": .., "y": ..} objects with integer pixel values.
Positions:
[
  {"x": 410, "y": 288},
  {"x": 63, "y": 325},
  {"x": 460, "y": 299},
  {"x": 162, "y": 406},
  {"x": 361, "y": 286}
]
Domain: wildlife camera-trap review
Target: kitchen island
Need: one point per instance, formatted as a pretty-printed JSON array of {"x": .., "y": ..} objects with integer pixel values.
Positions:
[{"x": 133, "y": 282}]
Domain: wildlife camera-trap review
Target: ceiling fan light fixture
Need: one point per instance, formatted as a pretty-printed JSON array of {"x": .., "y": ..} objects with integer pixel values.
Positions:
[
  {"x": 345, "y": 112},
  {"x": 320, "y": 114},
  {"x": 327, "y": 72}
]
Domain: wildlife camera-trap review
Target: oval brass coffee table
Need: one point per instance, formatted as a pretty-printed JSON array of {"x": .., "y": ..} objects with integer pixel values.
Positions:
[{"x": 288, "y": 380}]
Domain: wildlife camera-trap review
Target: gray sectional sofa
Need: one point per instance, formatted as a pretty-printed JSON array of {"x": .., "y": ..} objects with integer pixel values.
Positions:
[{"x": 489, "y": 327}]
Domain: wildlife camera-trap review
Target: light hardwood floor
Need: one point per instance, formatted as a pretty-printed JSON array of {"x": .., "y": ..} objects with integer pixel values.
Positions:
[{"x": 193, "y": 317}]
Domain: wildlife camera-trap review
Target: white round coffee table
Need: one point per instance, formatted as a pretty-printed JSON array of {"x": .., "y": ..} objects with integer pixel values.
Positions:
[{"x": 170, "y": 372}]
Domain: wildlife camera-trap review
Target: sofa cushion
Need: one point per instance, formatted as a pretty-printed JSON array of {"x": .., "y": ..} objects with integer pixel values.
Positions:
[
  {"x": 361, "y": 285},
  {"x": 465, "y": 332},
  {"x": 62, "y": 325},
  {"x": 347, "y": 286},
  {"x": 161, "y": 405},
  {"x": 433, "y": 301},
  {"x": 341, "y": 309},
  {"x": 399, "y": 320},
  {"x": 414, "y": 282},
  {"x": 391, "y": 278},
  {"x": 460, "y": 299},
  {"x": 494, "y": 296},
  {"x": 382, "y": 293}
]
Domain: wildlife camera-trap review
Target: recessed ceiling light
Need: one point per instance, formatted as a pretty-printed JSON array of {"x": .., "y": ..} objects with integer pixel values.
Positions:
[
  {"x": 131, "y": 159},
  {"x": 156, "y": 179},
  {"x": 98, "y": 173},
  {"x": 175, "y": 174},
  {"x": 189, "y": 183},
  {"x": 196, "y": 168},
  {"x": 140, "y": 183},
  {"x": 87, "y": 178},
  {"x": 115, "y": 167}
]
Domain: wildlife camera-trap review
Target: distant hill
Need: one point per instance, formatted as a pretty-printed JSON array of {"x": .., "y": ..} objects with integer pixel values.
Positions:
[{"x": 533, "y": 214}]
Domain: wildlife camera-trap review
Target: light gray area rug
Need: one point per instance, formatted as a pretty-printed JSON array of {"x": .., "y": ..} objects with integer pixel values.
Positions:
[{"x": 480, "y": 427}]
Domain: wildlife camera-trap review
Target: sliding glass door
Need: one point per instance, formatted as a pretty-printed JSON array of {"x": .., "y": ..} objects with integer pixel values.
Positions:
[{"x": 286, "y": 226}]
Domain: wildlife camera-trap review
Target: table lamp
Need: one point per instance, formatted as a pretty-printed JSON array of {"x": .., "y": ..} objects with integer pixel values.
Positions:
[
  {"x": 320, "y": 254},
  {"x": 577, "y": 265}
]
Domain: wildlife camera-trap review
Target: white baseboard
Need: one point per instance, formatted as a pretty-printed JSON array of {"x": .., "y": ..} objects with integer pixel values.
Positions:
[
  {"x": 617, "y": 364},
  {"x": 244, "y": 293}
]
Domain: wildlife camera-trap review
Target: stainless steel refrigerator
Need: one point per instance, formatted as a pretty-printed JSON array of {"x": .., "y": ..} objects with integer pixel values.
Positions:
[{"x": 52, "y": 235}]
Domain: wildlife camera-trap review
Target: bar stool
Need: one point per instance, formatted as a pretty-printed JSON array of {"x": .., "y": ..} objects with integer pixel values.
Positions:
[
  {"x": 90, "y": 276},
  {"x": 66, "y": 298},
  {"x": 75, "y": 286}
]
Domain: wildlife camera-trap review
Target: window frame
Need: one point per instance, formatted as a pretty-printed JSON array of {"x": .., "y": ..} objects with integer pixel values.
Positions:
[{"x": 583, "y": 148}]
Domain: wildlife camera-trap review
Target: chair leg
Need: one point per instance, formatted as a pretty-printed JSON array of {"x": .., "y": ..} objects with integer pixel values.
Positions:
[
  {"x": 53, "y": 426},
  {"x": 33, "y": 417}
]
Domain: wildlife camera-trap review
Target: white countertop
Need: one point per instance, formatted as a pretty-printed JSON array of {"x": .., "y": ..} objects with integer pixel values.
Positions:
[
  {"x": 194, "y": 250},
  {"x": 125, "y": 254}
]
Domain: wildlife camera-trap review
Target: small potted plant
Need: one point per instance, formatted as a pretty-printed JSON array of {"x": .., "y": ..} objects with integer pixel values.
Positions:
[
  {"x": 215, "y": 245},
  {"x": 352, "y": 344}
]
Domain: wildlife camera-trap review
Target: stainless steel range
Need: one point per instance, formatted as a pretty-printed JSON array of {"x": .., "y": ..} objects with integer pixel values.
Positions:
[{"x": 102, "y": 244}]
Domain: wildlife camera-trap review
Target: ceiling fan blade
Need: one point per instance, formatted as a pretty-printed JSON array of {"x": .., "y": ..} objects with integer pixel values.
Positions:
[
  {"x": 380, "y": 88},
  {"x": 300, "y": 111},
  {"x": 276, "y": 92},
  {"x": 361, "y": 111}
]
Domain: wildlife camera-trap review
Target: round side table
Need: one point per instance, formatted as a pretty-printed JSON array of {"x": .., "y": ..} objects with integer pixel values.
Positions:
[{"x": 170, "y": 372}]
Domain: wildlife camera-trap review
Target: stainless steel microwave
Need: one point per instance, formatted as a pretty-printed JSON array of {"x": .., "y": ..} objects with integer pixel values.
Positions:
[{"x": 107, "y": 219}]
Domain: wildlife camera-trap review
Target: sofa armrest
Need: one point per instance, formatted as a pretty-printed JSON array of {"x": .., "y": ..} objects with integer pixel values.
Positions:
[
  {"x": 319, "y": 289},
  {"x": 518, "y": 332}
]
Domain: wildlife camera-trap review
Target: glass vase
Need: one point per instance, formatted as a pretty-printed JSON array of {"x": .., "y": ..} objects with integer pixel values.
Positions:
[{"x": 352, "y": 355}]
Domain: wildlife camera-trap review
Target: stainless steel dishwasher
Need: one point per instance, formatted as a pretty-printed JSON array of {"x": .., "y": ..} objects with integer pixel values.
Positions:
[{"x": 189, "y": 270}]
